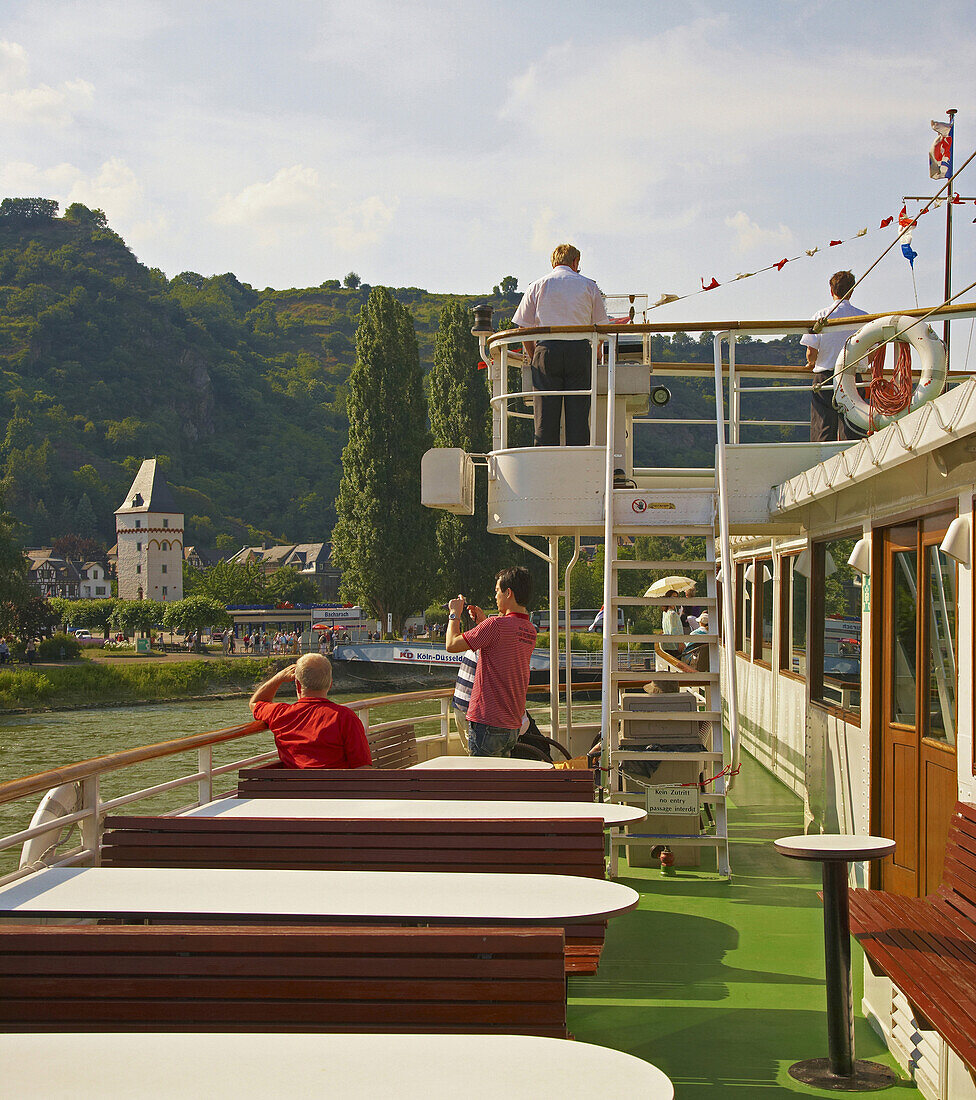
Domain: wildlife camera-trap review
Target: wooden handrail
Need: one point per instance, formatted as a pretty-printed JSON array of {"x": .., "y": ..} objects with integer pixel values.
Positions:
[
  {"x": 72, "y": 773},
  {"x": 800, "y": 326}
]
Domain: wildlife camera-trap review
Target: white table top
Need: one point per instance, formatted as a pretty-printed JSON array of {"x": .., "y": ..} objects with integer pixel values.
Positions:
[
  {"x": 407, "y": 809},
  {"x": 341, "y": 1067},
  {"x": 481, "y": 763},
  {"x": 337, "y": 895},
  {"x": 835, "y": 846}
]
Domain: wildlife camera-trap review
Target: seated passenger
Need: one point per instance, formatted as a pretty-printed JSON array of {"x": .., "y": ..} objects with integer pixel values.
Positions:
[{"x": 313, "y": 732}]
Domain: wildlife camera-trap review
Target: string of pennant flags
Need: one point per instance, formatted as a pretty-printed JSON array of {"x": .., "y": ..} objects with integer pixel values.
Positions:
[{"x": 940, "y": 167}]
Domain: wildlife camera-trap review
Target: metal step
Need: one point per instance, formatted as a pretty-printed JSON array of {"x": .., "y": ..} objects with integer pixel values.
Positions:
[
  {"x": 662, "y": 754},
  {"x": 666, "y": 715},
  {"x": 697, "y": 566},
  {"x": 626, "y": 677},
  {"x": 661, "y": 601}
]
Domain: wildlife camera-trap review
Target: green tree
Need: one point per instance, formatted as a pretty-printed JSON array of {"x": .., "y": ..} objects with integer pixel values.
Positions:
[
  {"x": 287, "y": 585},
  {"x": 85, "y": 614},
  {"x": 33, "y": 617},
  {"x": 130, "y": 616},
  {"x": 79, "y": 548},
  {"x": 86, "y": 522},
  {"x": 352, "y": 281},
  {"x": 460, "y": 416},
  {"x": 233, "y": 583},
  {"x": 382, "y": 539},
  {"x": 14, "y": 587},
  {"x": 509, "y": 284},
  {"x": 195, "y": 613}
]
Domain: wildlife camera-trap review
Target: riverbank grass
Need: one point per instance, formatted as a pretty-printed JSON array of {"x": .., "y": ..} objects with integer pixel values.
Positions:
[{"x": 88, "y": 683}]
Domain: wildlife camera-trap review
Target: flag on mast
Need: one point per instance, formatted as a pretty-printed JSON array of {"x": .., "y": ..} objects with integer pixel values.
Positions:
[
  {"x": 940, "y": 155},
  {"x": 905, "y": 225}
]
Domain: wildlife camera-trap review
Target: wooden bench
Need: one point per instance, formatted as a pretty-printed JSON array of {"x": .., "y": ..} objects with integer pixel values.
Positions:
[
  {"x": 556, "y": 847},
  {"x": 282, "y": 978},
  {"x": 395, "y": 747},
  {"x": 927, "y": 946},
  {"x": 516, "y": 785}
]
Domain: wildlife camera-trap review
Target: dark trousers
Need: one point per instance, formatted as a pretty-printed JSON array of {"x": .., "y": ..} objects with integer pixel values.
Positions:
[
  {"x": 826, "y": 423},
  {"x": 562, "y": 365}
]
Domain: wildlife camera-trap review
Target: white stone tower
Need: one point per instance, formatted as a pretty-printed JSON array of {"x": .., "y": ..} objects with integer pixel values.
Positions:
[{"x": 149, "y": 529}]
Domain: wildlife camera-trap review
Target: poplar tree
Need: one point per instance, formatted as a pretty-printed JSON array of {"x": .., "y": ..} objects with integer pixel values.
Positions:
[
  {"x": 460, "y": 416},
  {"x": 382, "y": 539}
]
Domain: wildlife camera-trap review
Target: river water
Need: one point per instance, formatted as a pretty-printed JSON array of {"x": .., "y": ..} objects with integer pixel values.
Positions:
[{"x": 32, "y": 743}]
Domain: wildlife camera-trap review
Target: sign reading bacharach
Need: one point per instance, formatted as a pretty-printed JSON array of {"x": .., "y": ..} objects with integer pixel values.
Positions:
[{"x": 337, "y": 614}]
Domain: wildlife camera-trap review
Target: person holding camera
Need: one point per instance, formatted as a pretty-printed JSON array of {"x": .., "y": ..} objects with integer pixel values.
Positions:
[{"x": 504, "y": 644}]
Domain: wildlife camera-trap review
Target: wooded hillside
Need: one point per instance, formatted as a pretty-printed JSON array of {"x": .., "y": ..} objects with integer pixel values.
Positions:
[{"x": 240, "y": 392}]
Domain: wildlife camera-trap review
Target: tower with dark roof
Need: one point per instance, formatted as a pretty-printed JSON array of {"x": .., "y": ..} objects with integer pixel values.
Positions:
[{"x": 149, "y": 528}]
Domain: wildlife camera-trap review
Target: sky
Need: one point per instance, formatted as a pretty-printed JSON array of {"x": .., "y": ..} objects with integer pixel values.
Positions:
[{"x": 445, "y": 145}]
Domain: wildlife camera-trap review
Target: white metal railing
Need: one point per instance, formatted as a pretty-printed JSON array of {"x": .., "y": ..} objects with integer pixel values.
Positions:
[
  {"x": 82, "y": 824},
  {"x": 90, "y": 806}
]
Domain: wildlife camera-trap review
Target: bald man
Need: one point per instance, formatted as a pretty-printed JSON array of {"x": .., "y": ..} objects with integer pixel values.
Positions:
[{"x": 312, "y": 732}]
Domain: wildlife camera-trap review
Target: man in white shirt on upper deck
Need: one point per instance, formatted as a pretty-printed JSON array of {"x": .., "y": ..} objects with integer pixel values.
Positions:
[
  {"x": 563, "y": 297},
  {"x": 826, "y": 423}
]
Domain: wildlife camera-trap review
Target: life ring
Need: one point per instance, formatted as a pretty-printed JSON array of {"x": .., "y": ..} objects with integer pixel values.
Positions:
[
  {"x": 57, "y": 803},
  {"x": 931, "y": 353}
]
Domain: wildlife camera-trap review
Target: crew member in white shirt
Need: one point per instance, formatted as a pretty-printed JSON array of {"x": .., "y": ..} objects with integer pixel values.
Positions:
[
  {"x": 826, "y": 423},
  {"x": 563, "y": 297}
]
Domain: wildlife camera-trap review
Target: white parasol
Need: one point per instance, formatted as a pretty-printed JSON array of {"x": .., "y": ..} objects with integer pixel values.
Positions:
[{"x": 666, "y": 584}]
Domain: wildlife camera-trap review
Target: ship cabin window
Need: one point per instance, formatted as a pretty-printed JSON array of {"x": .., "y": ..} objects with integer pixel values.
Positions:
[
  {"x": 763, "y": 587},
  {"x": 742, "y": 611},
  {"x": 793, "y": 615},
  {"x": 835, "y": 630}
]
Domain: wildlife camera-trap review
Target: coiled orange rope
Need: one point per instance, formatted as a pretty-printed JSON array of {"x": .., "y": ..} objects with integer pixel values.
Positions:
[{"x": 887, "y": 397}]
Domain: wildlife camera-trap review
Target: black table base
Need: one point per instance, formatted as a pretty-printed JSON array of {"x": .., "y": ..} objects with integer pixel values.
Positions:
[
  {"x": 840, "y": 1071},
  {"x": 867, "y": 1076}
]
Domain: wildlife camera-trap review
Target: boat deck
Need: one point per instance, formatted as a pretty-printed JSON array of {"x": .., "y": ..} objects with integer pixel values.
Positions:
[{"x": 722, "y": 986}]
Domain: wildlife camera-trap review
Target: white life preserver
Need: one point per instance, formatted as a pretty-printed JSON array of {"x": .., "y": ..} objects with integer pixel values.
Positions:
[
  {"x": 58, "y": 802},
  {"x": 931, "y": 353}
]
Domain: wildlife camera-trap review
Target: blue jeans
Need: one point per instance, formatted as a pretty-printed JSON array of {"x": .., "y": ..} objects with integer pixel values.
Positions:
[{"x": 490, "y": 740}]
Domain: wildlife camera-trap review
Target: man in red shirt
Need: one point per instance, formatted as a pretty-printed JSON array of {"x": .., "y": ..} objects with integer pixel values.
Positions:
[
  {"x": 313, "y": 732},
  {"x": 504, "y": 644}
]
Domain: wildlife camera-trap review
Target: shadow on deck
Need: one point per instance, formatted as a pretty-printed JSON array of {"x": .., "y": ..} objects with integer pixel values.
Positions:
[{"x": 722, "y": 985}]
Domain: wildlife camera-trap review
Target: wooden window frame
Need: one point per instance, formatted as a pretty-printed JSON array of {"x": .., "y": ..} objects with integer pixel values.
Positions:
[{"x": 815, "y": 638}]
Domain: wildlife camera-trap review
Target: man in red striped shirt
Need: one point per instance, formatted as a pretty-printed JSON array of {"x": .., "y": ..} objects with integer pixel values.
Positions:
[{"x": 504, "y": 644}]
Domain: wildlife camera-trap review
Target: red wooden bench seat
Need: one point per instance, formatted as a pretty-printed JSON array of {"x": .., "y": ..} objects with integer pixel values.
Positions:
[
  {"x": 555, "y": 847},
  {"x": 517, "y": 785},
  {"x": 927, "y": 946},
  {"x": 282, "y": 978}
]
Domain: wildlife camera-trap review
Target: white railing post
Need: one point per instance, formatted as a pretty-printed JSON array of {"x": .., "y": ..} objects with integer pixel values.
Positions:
[
  {"x": 728, "y": 621},
  {"x": 91, "y": 825},
  {"x": 503, "y": 390},
  {"x": 609, "y": 552},
  {"x": 446, "y": 723},
  {"x": 735, "y": 392},
  {"x": 205, "y": 766},
  {"x": 554, "y": 637},
  {"x": 364, "y": 718}
]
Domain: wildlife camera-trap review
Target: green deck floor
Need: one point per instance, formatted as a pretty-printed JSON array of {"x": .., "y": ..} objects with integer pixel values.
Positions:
[{"x": 722, "y": 985}]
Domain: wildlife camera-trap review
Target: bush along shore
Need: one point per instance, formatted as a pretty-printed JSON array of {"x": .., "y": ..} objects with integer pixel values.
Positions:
[{"x": 90, "y": 684}]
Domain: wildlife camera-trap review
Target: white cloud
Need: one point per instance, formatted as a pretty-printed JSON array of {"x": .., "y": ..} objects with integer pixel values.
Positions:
[
  {"x": 295, "y": 200},
  {"x": 749, "y": 235},
  {"x": 291, "y": 194},
  {"x": 41, "y": 105},
  {"x": 114, "y": 187},
  {"x": 13, "y": 65}
]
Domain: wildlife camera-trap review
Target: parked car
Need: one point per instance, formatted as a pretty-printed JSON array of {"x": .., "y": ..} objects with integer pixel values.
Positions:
[{"x": 81, "y": 635}]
